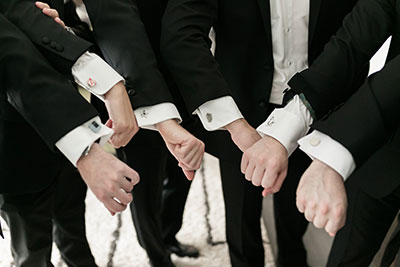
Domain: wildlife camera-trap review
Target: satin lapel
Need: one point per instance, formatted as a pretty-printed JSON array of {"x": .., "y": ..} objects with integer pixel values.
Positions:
[
  {"x": 59, "y": 5},
  {"x": 266, "y": 16},
  {"x": 315, "y": 6}
]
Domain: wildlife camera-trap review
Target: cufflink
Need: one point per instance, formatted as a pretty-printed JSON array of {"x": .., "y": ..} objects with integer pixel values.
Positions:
[
  {"x": 94, "y": 126},
  {"x": 271, "y": 121},
  {"x": 315, "y": 141},
  {"x": 144, "y": 113},
  {"x": 209, "y": 117},
  {"x": 91, "y": 83}
]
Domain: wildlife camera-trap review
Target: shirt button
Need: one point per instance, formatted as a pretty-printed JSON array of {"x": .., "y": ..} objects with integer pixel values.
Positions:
[
  {"x": 315, "y": 141},
  {"x": 290, "y": 63}
]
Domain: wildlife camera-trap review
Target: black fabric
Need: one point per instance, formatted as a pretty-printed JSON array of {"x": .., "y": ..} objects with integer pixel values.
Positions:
[
  {"x": 243, "y": 66},
  {"x": 33, "y": 220},
  {"x": 147, "y": 154},
  {"x": 35, "y": 112},
  {"x": 360, "y": 239}
]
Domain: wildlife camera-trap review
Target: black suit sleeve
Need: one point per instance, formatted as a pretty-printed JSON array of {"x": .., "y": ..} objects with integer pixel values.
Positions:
[
  {"x": 370, "y": 117},
  {"x": 185, "y": 47},
  {"x": 328, "y": 81},
  {"x": 60, "y": 47},
  {"x": 45, "y": 99},
  {"x": 121, "y": 36}
]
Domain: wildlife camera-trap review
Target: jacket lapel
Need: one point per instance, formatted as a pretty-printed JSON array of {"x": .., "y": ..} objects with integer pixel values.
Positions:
[
  {"x": 315, "y": 6},
  {"x": 266, "y": 17}
]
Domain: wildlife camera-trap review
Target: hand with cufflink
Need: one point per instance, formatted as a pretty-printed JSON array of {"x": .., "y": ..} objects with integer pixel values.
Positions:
[
  {"x": 110, "y": 180},
  {"x": 187, "y": 149},
  {"x": 121, "y": 117}
]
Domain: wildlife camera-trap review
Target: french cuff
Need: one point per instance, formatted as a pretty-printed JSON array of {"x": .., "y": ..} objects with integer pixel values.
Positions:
[
  {"x": 320, "y": 146},
  {"x": 93, "y": 74},
  {"x": 74, "y": 143},
  {"x": 216, "y": 114},
  {"x": 148, "y": 117}
]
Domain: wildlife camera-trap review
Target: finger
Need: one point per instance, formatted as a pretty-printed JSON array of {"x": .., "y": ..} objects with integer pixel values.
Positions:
[
  {"x": 265, "y": 192},
  {"x": 300, "y": 204},
  {"x": 244, "y": 163},
  {"x": 188, "y": 157},
  {"x": 249, "y": 173},
  {"x": 334, "y": 224},
  {"x": 189, "y": 174},
  {"x": 131, "y": 174},
  {"x": 123, "y": 197},
  {"x": 116, "y": 140},
  {"x": 320, "y": 220},
  {"x": 279, "y": 181},
  {"x": 41, "y": 5},
  {"x": 268, "y": 180},
  {"x": 59, "y": 21},
  {"x": 114, "y": 206},
  {"x": 197, "y": 160},
  {"x": 50, "y": 12},
  {"x": 126, "y": 184},
  {"x": 309, "y": 214},
  {"x": 258, "y": 174}
]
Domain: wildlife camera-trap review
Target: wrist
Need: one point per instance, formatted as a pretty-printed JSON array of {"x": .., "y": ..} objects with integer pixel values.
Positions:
[
  {"x": 161, "y": 126},
  {"x": 88, "y": 154},
  {"x": 117, "y": 89},
  {"x": 236, "y": 126}
]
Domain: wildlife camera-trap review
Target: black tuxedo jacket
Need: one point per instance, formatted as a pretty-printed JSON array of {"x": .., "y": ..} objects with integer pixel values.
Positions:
[
  {"x": 117, "y": 30},
  {"x": 243, "y": 64},
  {"x": 368, "y": 125},
  {"x": 37, "y": 107}
]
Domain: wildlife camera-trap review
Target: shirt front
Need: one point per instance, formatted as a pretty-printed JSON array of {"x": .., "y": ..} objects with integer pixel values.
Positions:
[{"x": 289, "y": 29}]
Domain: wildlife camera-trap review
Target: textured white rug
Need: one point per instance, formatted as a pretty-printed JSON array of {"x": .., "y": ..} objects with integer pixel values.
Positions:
[{"x": 113, "y": 239}]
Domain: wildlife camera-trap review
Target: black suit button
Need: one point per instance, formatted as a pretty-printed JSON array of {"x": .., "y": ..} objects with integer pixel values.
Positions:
[
  {"x": 53, "y": 45},
  {"x": 262, "y": 104},
  {"x": 59, "y": 48},
  {"x": 131, "y": 92},
  {"x": 45, "y": 40}
]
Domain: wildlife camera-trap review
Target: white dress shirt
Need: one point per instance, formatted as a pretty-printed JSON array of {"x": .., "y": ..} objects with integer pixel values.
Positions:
[{"x": 289, "y": 22}]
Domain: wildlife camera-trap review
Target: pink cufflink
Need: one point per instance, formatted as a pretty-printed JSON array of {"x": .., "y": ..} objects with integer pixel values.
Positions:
[{"x": 91, "y": 82}]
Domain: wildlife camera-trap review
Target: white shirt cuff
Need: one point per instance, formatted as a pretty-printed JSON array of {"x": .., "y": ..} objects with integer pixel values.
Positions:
[
  {"x": 95, "y": 75},
  {"x": 288, "y": 124},
  {"x": 74, "y": 143},
  {"x": 320, "y": 146},
  {"x": 148, "y": 117},
  {"x": 216, "y": 114}
]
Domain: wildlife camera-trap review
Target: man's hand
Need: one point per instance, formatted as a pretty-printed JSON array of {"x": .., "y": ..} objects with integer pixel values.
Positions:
[
  {"x": 122, "y": 119},
  {"x": 187, "y": 149},
  {"x": 321, "y": 196},
  {"x": 52, "y": 13},
  {"x": 110, "y": 179},
  {"x": 243, "y": 135},
  {"x": 265, "y": 163}
]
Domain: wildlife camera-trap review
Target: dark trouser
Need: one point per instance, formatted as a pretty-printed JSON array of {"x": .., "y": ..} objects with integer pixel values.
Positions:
[
  {"x": 57, "y": 211},
  {"x": 156, "y": 214},
  {"x": 367, "y": 223},
  {"x": 290, "y": 223},
  {"x": 243, "y": 204}
]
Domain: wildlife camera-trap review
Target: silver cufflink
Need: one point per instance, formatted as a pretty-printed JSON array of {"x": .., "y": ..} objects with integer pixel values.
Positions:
[
  {"x": 144, "y": 113},
  {"x": 271, "y": 121},
  {"x": 209, "y": 117},
  {"x": 94, "y": 126}
]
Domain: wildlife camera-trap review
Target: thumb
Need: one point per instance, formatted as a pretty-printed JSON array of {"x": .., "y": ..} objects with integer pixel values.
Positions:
[
  {"x": 265, "y": 192},
  {"x": 189, "y": 174}
]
